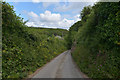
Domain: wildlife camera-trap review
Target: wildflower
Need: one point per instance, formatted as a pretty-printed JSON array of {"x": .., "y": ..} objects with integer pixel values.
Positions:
[
  {"x": 8, "y": 77},
  {"x": 118, "y": 43},
  {"x": 4, "y": 51}
]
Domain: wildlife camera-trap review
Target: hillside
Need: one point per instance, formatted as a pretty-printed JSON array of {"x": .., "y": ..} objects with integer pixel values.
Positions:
[{"x": 25, "y": 49}]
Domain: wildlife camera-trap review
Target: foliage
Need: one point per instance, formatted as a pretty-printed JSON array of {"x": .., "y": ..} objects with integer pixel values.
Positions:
[
  {"x": 71, "y": 34},
  {"x": 85, "y": 12},
  {"x": 0, "y": 39},
  {"x": 24, "y": 49},
  {"x": 98, "y": 41}
]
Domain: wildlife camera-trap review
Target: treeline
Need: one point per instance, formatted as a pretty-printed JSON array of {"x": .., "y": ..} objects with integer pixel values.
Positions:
[
  {"x": 95, "y": 40},
  {"x": 25, "y": 49}
]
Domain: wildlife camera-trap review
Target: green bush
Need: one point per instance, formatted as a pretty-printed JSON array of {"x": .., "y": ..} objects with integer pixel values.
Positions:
[
  {"x": 24, "y": 49},
  {"x": 97, "y": 40}
]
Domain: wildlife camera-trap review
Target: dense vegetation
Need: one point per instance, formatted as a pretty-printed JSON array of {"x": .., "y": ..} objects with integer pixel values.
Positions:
[
  {"x": 95, "y": 40},
  {"x": 24, "y": 49},
  {"x": 0, "y": 40}
]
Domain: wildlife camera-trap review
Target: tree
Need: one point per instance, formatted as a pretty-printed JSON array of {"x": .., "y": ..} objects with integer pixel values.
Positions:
[{"x": 85, "y": 12}]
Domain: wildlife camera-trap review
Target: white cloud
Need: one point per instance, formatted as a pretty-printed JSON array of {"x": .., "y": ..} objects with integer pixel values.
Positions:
[
  {"x": 66, "y": 16},
  {"x": 65, "y": 23},
  {"x": 50, "y": 20},
  {"x": 31, "y": 24},
  {"x": 77, "y": 17},
  {"x": 72, "y": 6},
  {"x": 49, "y": 17},
  {"x": 32, "y": 14},
  {"x": 36, "y": 1},
  {"x": 47, "y": 4}
]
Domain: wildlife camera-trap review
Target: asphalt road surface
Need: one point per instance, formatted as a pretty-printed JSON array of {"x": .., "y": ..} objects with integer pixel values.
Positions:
[{"x": 60, "y": 67}]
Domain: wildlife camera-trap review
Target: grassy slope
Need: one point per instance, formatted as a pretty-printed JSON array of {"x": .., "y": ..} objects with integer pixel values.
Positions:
[{"x": 22, "y": 55}]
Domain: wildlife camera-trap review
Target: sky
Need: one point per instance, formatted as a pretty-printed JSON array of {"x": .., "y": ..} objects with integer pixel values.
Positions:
[{"x": 61, "y": 14}]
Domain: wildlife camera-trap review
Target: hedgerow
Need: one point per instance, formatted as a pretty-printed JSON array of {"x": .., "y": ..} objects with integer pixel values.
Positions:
[
  {"x": 97, "y": 40},
  {"x": 25, "y": 49}
]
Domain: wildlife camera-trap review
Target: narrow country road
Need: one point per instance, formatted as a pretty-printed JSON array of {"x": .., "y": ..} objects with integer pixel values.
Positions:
[{"x": 60, "y": 67}]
